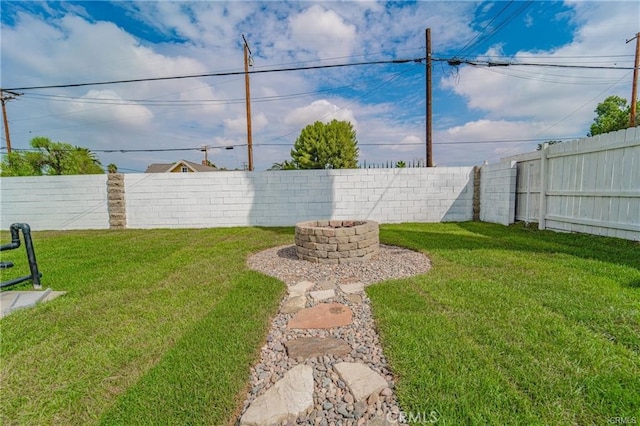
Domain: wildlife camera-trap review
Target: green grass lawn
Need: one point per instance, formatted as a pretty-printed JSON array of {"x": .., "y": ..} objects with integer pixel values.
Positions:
[
  {"x": 514, "y": 326},
  {"x": 157, "y": 327},
  {"x": 161, "y": 326}
]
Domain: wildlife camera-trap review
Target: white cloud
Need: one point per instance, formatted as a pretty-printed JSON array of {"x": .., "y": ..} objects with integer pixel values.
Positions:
[
  {"x": 484, "y": 130},
  {"x": 321, "y": 110},
  {"x": 205, "y": 37},
  {"x": 238, "y": 125},
  {"x": 543, "y": 102},
  {"x": 92, "y": 109},
  {"x": 323, "y": 32}
]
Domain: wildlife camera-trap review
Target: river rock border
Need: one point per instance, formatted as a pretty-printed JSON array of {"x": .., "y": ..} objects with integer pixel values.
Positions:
[{"x": 336, "y": 242}]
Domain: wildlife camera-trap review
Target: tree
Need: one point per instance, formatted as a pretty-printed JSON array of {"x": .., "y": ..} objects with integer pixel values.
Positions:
[
  {"x": 612, "y": 114},
  {"x": 112, "y": 168},
  {"x": 326, "y": 146},
  {"x": 285, "y": 165},
  {"x": 50, "y": 158},
  {"x": 401, "y": 164}
]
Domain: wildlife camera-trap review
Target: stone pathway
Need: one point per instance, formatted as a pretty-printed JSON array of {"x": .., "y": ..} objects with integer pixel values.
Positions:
[{"x": 322, "y": 364}]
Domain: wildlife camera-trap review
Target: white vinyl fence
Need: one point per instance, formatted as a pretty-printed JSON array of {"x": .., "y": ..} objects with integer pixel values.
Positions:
[{"x": 590, "y": 185}]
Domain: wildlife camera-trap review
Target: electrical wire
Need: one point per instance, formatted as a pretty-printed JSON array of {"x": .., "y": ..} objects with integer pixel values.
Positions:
[
  {"x": 484, "y": 29},
  {"x": 226, "y": 147},
  {"x": 189, "y": 102},
  {"x": 504, "y": 23},
  {"x": 499, "y": 27},
  {"x": 547, "y": 78},
  {"x": 123, "y": 151},
  {"x": 217, "y": 74},
  {"x": 476, "y": 63},
  {"x": 451, "y": 61},
  {"x": 590, "y": 101},
  {"x": 393, "y": 77},
  {"x": 438, "y": 143}
]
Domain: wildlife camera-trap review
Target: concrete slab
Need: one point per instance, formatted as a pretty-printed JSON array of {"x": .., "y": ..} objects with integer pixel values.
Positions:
[
  {"x": 362, "y": 380},
  {"x": 289, "y": 398},
  {"x": 11, "y": 301}
]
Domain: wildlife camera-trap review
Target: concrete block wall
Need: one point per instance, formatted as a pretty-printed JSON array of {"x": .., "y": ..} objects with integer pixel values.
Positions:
[
  {"x": 54, "y": 202},
  {"x": 498, "y": 192},
  {"x": 283, "y": 198}
]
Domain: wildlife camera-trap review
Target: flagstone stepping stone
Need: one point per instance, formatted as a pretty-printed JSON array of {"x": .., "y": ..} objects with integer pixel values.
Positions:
[
  {"x": 352, "y": 288},
  {"x": 311, "y": 347},
  {"x": 321, "y": 295},
  {"x": 289, "y": 398},
  {"x": 293, "y": 304},
  {"x": 323, "y": 315},
  {"x": 362, "y": 380},
  {"x": 354, "y": 298},
  {"x": 300, "y": 288},
  {"x": 326, "y": 285}
]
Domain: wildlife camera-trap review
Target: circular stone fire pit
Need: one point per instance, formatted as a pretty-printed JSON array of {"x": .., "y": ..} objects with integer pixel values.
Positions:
[{"x": 337, "y": 241}]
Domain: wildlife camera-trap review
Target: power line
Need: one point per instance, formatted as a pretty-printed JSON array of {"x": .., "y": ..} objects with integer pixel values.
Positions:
[
  {"x": 567, "y": 116},
  {"x": 484, "y": 141},
  {"x": 470, "y": 47},
  {"x": 389, "y": 80},
  {"x": 484, "y": 29},
  {"x": 454, "y": 62},
  {"x": 218, "y": 74},
  {"x": 504, "y": 23},
  {"x": 552, "y": 78},
  {"x": 124, "y": 151},
  {"x": 226, "y": 147},
  {"x": 189, "y": 102},
  {"x": 559, "y": 56},
  {"x": 451, "y": 61}
]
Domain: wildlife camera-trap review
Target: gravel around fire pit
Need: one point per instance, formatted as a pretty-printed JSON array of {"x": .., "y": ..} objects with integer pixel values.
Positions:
[
  {"x": 390, "y": 263},
  {"x": 332, "y": 401}
]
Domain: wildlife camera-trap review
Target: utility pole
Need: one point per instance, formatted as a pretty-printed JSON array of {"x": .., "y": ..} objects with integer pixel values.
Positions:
[
  {"x": 205, "y": 149},
  {"x": 634, "y": 90},
  {"x": 428, "y": 93},
  {"x": 4, "y": 98},
  {"x": 248, "y": 61}
]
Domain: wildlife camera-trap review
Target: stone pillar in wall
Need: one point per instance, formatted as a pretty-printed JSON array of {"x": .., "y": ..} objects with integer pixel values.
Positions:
[
  {"x": 476, "y": 192},
  {"x": 115, "y": 201}
]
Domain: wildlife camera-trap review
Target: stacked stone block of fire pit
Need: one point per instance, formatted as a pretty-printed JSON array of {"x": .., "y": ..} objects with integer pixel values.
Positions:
[{"x": 337, "y": 241}]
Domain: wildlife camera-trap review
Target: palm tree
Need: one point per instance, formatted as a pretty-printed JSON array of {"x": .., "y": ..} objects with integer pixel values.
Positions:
[{"x": 285, "y": 165}]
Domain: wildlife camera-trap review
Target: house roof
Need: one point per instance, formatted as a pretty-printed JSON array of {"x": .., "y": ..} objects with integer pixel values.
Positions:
[
  {"x": 167, "y": 167},
  {"x": 159, "y": 168}
]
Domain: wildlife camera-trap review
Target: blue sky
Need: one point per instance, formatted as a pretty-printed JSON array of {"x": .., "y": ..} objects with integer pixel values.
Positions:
[{"x": 479, "y": 113}]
